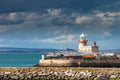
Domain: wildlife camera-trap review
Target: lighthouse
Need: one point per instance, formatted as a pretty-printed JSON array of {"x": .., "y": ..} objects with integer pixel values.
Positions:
[
  {"x": 82, "y": 45},
  {"x": 82, "y": 41}
]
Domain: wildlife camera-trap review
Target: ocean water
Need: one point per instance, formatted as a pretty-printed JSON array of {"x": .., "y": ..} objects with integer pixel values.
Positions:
[{"x": 19, "y": 59}]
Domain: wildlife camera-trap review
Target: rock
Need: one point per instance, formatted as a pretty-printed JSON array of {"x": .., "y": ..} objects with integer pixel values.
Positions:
[
  {"x": 113, "y": 76},
  {"x": 101, "y": 77},
  {"x": 81, "y": 79},
  {"x": 7, "y": 73},
  {"x": 14, "y": 77},
  {"x": 1, "y": 73},
  {"x": 49, "y": 74}
]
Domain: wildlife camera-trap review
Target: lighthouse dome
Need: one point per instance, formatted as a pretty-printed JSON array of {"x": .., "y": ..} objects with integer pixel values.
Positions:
[{"x": 82, "y": 36}]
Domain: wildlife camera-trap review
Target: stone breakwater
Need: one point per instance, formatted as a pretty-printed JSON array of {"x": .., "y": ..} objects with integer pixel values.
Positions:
[{"x": 54, "y": 73}]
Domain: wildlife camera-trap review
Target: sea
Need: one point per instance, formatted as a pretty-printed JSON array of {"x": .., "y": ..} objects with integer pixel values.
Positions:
[{"x": 19, "y": 59}]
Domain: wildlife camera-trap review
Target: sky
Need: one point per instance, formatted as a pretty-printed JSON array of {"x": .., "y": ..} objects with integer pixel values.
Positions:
[{"x": 59, "y": 23}]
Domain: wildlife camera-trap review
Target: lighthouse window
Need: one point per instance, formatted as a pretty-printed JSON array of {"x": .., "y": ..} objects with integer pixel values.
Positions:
[{"x": 83, "y": 38}]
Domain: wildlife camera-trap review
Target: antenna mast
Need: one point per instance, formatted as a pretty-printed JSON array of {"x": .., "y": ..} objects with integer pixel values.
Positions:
[{"x": 67, "y": 36}]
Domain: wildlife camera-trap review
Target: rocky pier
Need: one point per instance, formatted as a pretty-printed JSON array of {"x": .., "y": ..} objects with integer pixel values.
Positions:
[{"x": 61, "y": 73}]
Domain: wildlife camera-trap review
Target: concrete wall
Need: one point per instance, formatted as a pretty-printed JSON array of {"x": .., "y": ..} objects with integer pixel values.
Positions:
[
  {"x": 58, "y": 63},
  {"x": 88, "y": 49},
  {"x": 85, "y": 49},
  {"x": 95, "y": 49},
  {"x": 83, "y": 63},
  {"x": 83, "y": 44}
]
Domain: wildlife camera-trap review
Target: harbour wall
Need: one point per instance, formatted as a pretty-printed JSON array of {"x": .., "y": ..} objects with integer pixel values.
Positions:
[
  {"x": 60, "y": 63},
  {"x": 81, "y": 63}
]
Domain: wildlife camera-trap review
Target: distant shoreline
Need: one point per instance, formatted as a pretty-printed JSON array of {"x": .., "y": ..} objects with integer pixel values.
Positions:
[{"x": 12, "y": 49}]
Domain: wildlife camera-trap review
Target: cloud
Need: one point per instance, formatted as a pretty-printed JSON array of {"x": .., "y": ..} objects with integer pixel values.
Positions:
[
  {"x": 42, "y": 17},
  {"x": 83, "y": 19},
  {"x": 59, "y": 17},
  {"x": 112, "y": 6},
  {"x": 54, "y": 23},
  {"x": 27, "y": 5},
  {"x": 58, "y": 39},
  {"x": 42, "y": 20},
  {"x": 50, "y": 18},
  {"x": 107, "y": 17},
  {"x": 54, "y": 12},
  {"x": 106, "y": 34},
  {"x": 11, "y": 18}
]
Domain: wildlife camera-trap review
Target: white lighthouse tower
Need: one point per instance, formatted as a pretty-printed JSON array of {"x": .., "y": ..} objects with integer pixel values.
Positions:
[
  {"x": 82, "y": 42},
  {"x": 82, "y": 47}
]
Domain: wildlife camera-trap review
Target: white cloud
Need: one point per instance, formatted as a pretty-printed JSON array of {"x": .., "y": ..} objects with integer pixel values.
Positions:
[
  {"x": 16, "y": 16},
  {"x": 107, "y": 18},
  {"x": 99, "y": 17},
  {"x": 54, "y": 12},
  {"x": 83, "y": 19},
  {"x": 59, "y": 39},
  {"x": 106, "y": 34},
  {"x": 97, "y": 20},
  {"x": 12, "y": 16},
  {"x": 43, "y": 19},
  {"x": 113, "y": 14},
  {"x": 32, "y": 16}
]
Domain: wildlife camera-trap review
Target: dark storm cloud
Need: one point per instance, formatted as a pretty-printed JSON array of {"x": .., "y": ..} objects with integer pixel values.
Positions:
[
  {"x": 26, "y": 5},
  {"x": 5, "y": 22},
  {"x": 114, "y": 6}
]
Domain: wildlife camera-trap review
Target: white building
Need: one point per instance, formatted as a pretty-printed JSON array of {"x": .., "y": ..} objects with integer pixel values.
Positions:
[{"x": 83, "y": 45}]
